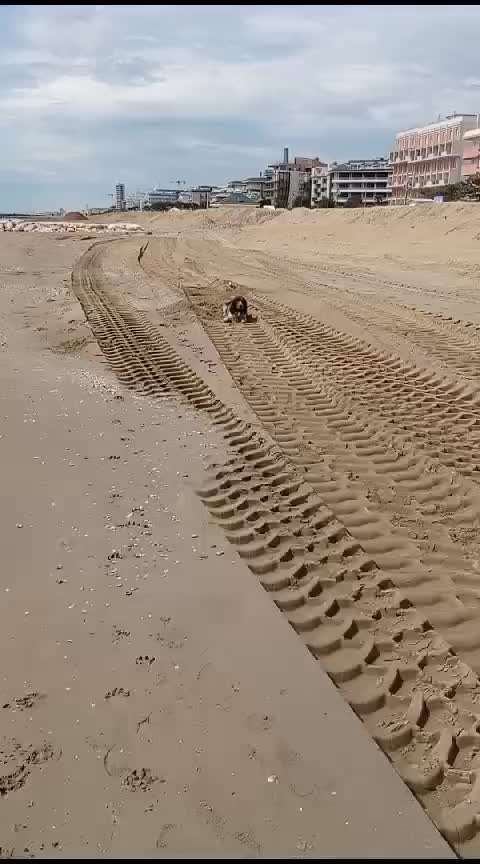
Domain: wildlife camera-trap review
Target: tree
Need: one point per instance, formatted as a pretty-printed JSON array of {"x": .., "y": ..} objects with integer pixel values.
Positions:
[{"x": 466, "y": 190}]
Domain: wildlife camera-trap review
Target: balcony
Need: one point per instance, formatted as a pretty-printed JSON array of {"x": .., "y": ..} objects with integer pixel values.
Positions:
[
  {"x": 359, "y": 187},
  {"x": 430, "y": 156},
  {"x": 373, "y": 182}
]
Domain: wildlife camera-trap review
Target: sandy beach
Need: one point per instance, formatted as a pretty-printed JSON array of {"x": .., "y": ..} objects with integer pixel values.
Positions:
[{"x": 240, "y": 564}]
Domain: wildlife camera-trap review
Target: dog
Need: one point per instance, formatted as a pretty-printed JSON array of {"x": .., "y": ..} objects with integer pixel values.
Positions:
[{"x": 235, "y": 310}]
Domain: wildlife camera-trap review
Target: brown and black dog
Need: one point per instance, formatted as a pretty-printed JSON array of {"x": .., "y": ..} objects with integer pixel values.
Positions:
[{"x": 235, "y": 310}]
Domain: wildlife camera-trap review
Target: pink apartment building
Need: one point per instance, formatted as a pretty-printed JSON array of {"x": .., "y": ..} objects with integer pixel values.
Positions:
[
  {"x": 431, "y": 156},
  {"x": 471, "y": 153}
]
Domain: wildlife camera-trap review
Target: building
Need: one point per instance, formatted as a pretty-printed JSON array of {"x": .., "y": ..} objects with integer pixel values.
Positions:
[
  {"x": 281, "y": 187},
  {"x": 231, "y": 196},
  {"x": 299, "y": 189},
  {"x": 291, "y": 182},
  {"x": 430, "y": 157},
  {"x": 252, "y": 190},
  {"x": 320, "y": 192},
  {"x": 185, "y": 197},
  {"x": 471, "y": 153},
  {"x": 201, "y": 196},
  {"x": 120, "y": 201},
  {"x": 291, "y": 187},
  {"x": 261, "y": 187},
  {"x": 136, "y": 200},
  {"x": 162, "y": 198},
  {"x": 359, "y": 182},
  {"x": 235, "y": 192}
]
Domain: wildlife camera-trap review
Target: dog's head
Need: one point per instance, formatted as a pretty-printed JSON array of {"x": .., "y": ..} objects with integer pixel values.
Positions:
[{"x": 239, "y": 308}]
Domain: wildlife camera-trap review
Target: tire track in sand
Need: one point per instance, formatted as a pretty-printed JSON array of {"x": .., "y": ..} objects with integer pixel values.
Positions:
[
  {"x": 451, "y": 341},
  {"x": 415, "y": 525},
  {"x": 437, "y": 413},
  {"x": 417, "y": 698}
]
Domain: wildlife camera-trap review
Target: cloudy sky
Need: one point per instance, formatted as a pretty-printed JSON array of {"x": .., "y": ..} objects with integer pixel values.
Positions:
[{"x": 93, "y": 95}]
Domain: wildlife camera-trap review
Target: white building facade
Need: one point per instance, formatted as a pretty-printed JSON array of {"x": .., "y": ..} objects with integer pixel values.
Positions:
[
  {"x": 160, "y": 197},
  {"x": 360, "y": 182}
]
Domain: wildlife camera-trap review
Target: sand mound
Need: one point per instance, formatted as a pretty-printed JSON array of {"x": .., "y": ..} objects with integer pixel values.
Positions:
[
  {"x": 422, "y": 236},
  {"x": 223, "y": 217},
  {"x": 427, "y": 220},
  {"x": 236, "y": 217},
  {"x": 416, "y": 237},
  {"x": 75, "y": 216}
]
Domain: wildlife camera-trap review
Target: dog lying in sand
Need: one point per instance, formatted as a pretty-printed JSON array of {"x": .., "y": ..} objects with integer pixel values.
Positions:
[{"x": 235, "y": 310}]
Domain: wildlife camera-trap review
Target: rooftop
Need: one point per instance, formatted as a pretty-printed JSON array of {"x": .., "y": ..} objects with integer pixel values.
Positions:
[
  {"x": 297, "y": 164},
  {"x": 361, "y": 164},
  {"x": 449, "y": 120}
]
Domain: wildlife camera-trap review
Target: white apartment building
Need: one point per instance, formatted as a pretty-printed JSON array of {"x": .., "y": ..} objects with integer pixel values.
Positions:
[
  {"x": 429, "y": 156},
  {"x": 359, "y": 181},
  {"x": 162, "y": 197}
]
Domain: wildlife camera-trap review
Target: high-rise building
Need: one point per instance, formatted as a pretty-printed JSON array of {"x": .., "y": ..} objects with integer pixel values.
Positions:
[
  {"x": 120, "y": 201},
  {"x": 429, "y": 157}
]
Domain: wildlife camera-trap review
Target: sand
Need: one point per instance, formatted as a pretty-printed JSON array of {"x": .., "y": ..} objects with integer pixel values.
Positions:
[{"x": 218, "y": 541}]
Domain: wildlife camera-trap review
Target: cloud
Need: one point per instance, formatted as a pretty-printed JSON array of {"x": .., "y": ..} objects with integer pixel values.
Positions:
[{"x": 95, "y": 94}]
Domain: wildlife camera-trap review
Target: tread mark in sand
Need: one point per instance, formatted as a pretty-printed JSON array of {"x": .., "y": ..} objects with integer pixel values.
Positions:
[{"x": 416, "y": 696}]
